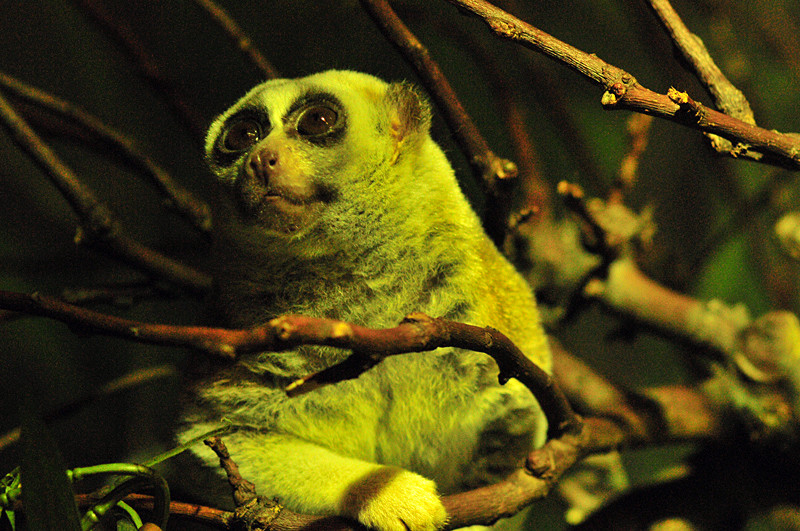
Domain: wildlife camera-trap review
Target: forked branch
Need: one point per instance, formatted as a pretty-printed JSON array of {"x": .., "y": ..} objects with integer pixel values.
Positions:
[
  {"x": 98, "y": 227},
  {"x": 622, "y": 91}
]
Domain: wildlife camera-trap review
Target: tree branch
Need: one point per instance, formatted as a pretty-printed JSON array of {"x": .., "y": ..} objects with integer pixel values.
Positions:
[
  {"x": 149, "y": 69},
  {"x": 92, "y": 130},
  {"x": 98, "y": 228},
  {"x": 417, "y": 333},
  {"x": 239, "y": 37},
  {"x": 533, "y": 188},
  {"x": 622, "y": 91},
  {"x": 726, "y": 96},
  {"x": 481, "y": 506},
  {"x": 492, "y": 171}
]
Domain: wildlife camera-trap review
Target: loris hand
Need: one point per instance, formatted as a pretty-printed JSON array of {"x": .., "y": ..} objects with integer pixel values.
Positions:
[{"x": 393, "y": 499}]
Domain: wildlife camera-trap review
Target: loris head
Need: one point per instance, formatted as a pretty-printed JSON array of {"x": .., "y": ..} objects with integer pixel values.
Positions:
[{"x": 294, "y": 154}]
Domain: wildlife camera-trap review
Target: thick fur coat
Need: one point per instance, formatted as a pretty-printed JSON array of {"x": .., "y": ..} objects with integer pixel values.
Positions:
[{"x": 334, "y": 202}]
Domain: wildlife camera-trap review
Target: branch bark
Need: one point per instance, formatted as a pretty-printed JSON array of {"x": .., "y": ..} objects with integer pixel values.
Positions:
[
  {"x": 92, "y": 130},
  {"x": 98, "y": 227},
  {"x": 417, "y": 333},
  {"x": 726, "y": 96},
  {"x": 622, "y": 91},
  {"x": 239, "y": 37},
  {"x": 495, "y": 173}
]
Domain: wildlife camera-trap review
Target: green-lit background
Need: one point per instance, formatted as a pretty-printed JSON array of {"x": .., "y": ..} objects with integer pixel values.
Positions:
[{"x": 714, "y": 216}]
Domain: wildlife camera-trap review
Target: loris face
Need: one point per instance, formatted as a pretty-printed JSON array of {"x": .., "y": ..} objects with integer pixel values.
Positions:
[
  {"x": 269, "y": 156},
  {"x": 283, "y": 152}
]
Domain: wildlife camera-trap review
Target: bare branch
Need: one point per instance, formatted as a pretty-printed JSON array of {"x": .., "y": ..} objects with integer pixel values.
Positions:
[
  {"x": 125, "y": 37},
  {"x": 417, "y": 333},
  {"x": 94, "y": 130},
  {"x": 98, "y": 227},
  {"x": 726, "y": 96},
  {"x": 573, "y": 198},
  {"x": 243, "y": 490},
  {"x": 622, "y": 91},
  {"x": 481, "y": 506},
  {"x": 488, "y": 167},
  {"x": 124, "y": 294},
  {"x": 533, "y": 188},
  {"x": 239, "y": 37}
]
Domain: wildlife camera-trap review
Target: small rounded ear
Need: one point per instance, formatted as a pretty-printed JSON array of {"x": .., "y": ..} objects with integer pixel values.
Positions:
[{"x": 409, "y": 116}]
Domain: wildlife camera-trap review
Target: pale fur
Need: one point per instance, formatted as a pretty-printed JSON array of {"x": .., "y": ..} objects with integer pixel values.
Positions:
[{"x": 398, "y": 237}]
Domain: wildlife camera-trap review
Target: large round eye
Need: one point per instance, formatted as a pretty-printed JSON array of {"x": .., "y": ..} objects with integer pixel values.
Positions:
[
  {"x": 317, "y": 120},
  {"x": 240, "y": 135}
]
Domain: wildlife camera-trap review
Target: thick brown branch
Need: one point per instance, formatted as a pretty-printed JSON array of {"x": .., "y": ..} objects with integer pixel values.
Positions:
[
  {"x": 239, "y": 37},
  {"x": 98, "y": 227},
  {"x": 486, "y": 165},
  {"x": 481, "y": 506},
  {"x": 622, "y": 91},
  {"x": 417, "y": 333},
  {"x": 94, "y": 131}
]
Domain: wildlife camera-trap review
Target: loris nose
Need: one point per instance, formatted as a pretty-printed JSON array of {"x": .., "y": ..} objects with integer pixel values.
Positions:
[{"x": 264, "y": 164}]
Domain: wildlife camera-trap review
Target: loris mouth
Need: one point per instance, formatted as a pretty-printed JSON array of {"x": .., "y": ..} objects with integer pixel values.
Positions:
[
  {"x": 276, "y": 195},
  {"x": 278, "y": 209}
]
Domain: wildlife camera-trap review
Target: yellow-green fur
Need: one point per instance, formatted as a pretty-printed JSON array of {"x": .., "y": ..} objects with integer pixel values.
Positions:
[{"x": 396, "y": 236}]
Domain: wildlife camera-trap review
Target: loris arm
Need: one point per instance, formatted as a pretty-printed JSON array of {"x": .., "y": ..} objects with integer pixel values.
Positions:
[{"x": 319, "y": 481}]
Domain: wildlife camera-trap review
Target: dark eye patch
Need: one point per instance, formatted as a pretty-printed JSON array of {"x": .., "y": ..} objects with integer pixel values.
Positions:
[
  {"x": 317, "y": 120},
  {"x": 241, "y": 132},
  {"x": 318, "y": 117}
]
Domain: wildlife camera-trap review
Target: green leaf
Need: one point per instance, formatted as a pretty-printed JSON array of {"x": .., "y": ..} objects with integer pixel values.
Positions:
[{"x": 47, "y": 494}]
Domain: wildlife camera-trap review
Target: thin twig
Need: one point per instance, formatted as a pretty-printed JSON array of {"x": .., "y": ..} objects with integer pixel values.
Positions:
[
  {"x": 573, "y": 198},
  {"x": 622, "y": 91},
  {"x": 122, "y": 294},
  {"x": 95, "y": 131},
  {"x": 98, "y": 227},
  {"x": 533, "y": 187},
  {"x": 120, "y": 32},
  {"x": 239, "y": 37},
  {"x": 541, "y": 81},
  {"x": 638, "y": 127},
  {"x": 126, "y": 381},
  {"x": 244, "y": 491},
  {"x": 488, "y": 167},
  {"x": 196, "y": 513}
]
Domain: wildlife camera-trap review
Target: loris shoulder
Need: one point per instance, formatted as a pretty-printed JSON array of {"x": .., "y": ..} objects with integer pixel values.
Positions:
[{"x": 334, "y": 201}]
